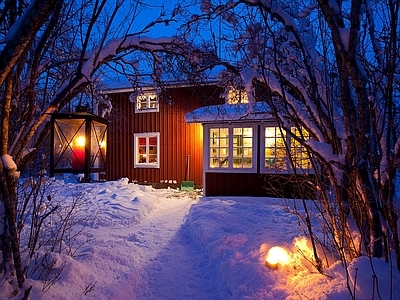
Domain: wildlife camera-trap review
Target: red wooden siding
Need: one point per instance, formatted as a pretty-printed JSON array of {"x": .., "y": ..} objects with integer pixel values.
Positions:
[{"x": 177, "y": 139}]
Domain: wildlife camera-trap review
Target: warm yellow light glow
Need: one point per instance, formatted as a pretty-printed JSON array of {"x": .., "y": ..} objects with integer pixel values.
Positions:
[
  {"x": 103, "y": 144},
  {"x": 80, "y": 141},
  {"x": 277, "y": 255}
]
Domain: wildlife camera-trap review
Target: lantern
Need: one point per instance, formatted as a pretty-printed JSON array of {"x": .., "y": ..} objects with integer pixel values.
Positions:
[
  {"x": 78, "y": 144},
  {"x": 277, "y": 256}
]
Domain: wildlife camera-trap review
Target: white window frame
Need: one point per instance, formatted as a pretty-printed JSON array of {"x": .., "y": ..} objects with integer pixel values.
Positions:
[
  {"x": 148, "y": 99},
  {"x": 288, "y": 169},
  {"x": 230, "y": 168},
  {"x": 146, "y": 164}
]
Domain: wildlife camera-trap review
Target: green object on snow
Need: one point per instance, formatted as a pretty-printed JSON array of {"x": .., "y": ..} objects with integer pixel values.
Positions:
[{"x": 187, "y": 186}]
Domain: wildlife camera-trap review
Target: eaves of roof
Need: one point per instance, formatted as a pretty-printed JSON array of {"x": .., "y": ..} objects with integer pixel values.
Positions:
[{"x": 258, "y": 111}]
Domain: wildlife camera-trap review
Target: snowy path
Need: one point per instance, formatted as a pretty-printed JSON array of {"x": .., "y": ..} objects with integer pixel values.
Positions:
[
  {"x": 141, "y": 248},
  {"x": 171, "y": 265},
  {"x": 138, "y": 245}
]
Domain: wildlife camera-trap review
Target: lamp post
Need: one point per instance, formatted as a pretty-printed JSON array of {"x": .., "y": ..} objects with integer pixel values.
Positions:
[{"x": 78, "y": 144}]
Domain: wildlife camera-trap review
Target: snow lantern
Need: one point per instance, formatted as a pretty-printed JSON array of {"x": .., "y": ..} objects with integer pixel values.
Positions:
[
  {"x": 78, "y": 144},
  {"x": 277, "y": 256}
]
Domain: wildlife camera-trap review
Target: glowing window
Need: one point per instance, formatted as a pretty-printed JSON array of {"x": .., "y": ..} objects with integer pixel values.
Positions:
[
  {"x": 236, "y": 96},
  {"x": 277, "y": 143},
  {"x": 147, "y": 154},
  {"x": 299, "y": 154},
  {"x": 231, "y": 147},
  {"x": 147, "y": 103},
  {"x": 242, "y": 147},
  {"x": 275, "y": 148},
  {"x": 219, "y": 147}
]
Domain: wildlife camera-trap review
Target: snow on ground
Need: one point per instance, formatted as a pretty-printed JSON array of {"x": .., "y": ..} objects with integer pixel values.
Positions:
[{"x": 167, "y": 244}]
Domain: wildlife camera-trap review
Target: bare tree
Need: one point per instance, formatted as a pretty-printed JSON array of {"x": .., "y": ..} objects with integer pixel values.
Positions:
[
  {"x": 50, "y": 53},
  {"x": 330, "y": 68}
]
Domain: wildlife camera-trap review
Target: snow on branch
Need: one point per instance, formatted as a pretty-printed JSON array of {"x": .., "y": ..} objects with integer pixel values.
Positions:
[
  {"x": 119, "y": 45},
  {"x": 325, "y": 151},
  {"x": 8, "y": 162},
  {"x": 275, "y": 86}
]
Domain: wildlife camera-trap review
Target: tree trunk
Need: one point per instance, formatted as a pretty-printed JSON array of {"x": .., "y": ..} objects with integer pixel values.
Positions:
[
  {"x": 12, "y": 261},
  {"x": 389, "y": 212},
  {"x": 370, "y": 201}
]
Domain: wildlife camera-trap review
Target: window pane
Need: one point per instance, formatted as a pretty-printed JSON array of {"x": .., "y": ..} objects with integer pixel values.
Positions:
[
  {"x": 141, "y": 154},
  {"x": 242, "y": 147},
  {"x": 299, "y": 154},
  {"x": 142, "y": 141},
  {"x": 153, "y": 158},
  {"x": 142, "y": 102},
  {"x": 275, "y": 149},
  {"x": 219, "y": 147},
  {"x": 153, "y": 101},
  {"x": 153, "y": 152},
  {"x": 153, "y": 141}
]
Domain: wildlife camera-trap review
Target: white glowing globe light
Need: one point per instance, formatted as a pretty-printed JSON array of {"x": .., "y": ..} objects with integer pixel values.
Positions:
[{"x": 278, "y": 255}]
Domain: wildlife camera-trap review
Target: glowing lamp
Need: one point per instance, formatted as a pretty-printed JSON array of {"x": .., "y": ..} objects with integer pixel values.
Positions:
[
  {"x": 277, "y": 256},
  {"x": 80, "y": 141},
  {"x": 78, "y": 153},
  {"x": 78, "y": 144}
]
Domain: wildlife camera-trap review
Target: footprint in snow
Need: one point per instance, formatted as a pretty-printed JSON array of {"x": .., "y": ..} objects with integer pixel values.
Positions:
[{"x": 136, "y": 239}]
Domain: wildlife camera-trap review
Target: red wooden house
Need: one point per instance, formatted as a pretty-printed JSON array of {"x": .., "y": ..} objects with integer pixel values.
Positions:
[
  {"x": 149, "y": 141},
  {"x": 228, "y": 147}
]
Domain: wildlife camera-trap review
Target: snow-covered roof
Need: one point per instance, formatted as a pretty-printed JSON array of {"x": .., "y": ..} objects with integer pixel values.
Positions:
[{"x": 230, "y": 112}]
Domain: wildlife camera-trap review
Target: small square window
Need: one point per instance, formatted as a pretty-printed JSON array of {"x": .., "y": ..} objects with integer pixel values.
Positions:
[
  {"x": 147, "y": 102},
  {"x": 147, "y": 150},
  {"x": 277, "y": 143},
  {"x": 231, "y": 148},
  {"x": 236, "y": 96}
]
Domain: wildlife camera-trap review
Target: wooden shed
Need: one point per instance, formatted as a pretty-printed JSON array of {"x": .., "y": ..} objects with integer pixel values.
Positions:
[{"x": 149, "y": 141}]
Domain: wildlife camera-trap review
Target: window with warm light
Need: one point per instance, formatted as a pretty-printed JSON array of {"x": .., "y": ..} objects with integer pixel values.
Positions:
[
  {"x": 276, "y": 145},
  {"x": 219, "y": 147},
  {"x": 147, "y": 153},
  {"x": 242, "y": 147},
  {"x": 147, "y": 102},
  {"x": 299, "y": 154},
  {"x": 236, "y": 96},
  {"x": 275, "y": 148},
  {"x": 231, "y": 147}
]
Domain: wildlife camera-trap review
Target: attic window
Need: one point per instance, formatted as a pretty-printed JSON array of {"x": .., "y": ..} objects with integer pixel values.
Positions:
[
  {"x": 147, "y": 102},
  {"x": 236, "y": 96}
]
